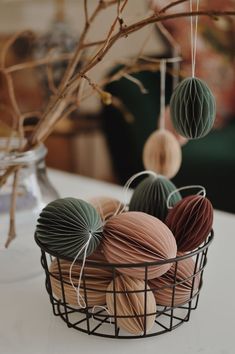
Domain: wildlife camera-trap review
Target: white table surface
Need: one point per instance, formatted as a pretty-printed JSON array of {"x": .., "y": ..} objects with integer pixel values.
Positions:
[{"x": 28, "y": 326}]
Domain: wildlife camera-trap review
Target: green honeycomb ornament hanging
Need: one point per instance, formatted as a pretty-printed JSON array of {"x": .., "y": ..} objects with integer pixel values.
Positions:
[{"x": 193, "y": 108}]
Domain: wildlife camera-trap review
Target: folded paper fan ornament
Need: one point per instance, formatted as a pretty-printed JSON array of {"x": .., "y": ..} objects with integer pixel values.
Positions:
[
  {"x": 135, "y": 237},
  {"x": 193, "y": 108},
  {"x": 66, "y": 226},
  {"x": 166, "y": 293},
  {"x": 97, "y": 280},
  {"x": 106, "y": 206},
  {"x": 151, "y": 195},
  {"x": 190, "y": 221},
  {"x": 130, "y": 302},
  {"x": 162, "y": 153}
]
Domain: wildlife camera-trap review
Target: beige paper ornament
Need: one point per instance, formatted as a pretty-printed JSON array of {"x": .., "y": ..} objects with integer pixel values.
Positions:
[
  {"x": 106, "y": 206},
  {"x": 136, "y": 237},
  {"x": 184, "y": 276},
  {"x": 162, "y": 153},
  {"x": 96, "y": 278},
  {"x": 132, "y": 304}
]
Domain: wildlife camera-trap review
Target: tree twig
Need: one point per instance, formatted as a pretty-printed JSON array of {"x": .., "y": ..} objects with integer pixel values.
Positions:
[{"x": 12, "y": 228}]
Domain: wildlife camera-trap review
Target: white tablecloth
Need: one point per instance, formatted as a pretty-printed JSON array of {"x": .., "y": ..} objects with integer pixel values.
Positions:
[{"x": 27, "y": 325}]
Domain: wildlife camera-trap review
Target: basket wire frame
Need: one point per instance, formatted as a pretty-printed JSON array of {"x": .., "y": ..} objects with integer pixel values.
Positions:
[{"x": 103, "y": 324}]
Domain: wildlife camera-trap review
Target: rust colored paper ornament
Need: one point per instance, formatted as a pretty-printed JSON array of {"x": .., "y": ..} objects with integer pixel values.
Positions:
[
  {"x": 106, "y": 206},
  {"x": 162, "y": 153},
  {"x": 130, "y": 302},
  {"x": 190, "y": 221},
  {"x": 96, "y": 279},
  {"x": 136, "y": 237},
  {"x": 164, "y": 289}
]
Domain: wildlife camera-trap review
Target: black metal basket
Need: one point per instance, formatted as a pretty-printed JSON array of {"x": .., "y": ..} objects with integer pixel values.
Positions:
[{"x": 103, "y": 324}]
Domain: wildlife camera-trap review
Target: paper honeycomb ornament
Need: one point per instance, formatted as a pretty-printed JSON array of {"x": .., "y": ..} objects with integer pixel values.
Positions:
[
  {"x": 193, "y": 108},
  {"x": 176, "y": 286},
  {"x": 65, "y": 226},
  {"x": 162, "y": 153},
  {"x": 106, "y": 206},
  {"x": 150, "y": 196},
  {"x": 97, "y": 279},
  {"x": 136, "y": 237},
  {"x": 130, "y": 302},
  {"x": 190, "y": 221}
]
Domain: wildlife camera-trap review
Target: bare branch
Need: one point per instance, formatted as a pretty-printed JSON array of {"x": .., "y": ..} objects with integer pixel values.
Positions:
[
  {"x": 9, "y": 43},
  {"x": 12, "y": 229}
]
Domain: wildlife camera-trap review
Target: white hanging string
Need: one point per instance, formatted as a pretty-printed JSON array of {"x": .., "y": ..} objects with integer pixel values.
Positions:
[
  {"x": 81, "y": 303},
  {"x": 163, "y": 94},
  {"x": 176, "y": 70},
  {"x": 193, "y": 32},
  {"x": 102, "y": 307},
  {"x": 202, "y": 192},
  {"x": 126, "y": 187}
]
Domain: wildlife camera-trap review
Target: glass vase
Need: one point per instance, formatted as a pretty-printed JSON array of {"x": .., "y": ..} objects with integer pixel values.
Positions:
[{"x": 20, "y": 259}]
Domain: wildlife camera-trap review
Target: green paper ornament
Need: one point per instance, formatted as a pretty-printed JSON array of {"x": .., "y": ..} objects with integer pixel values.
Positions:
[
  {"x": 193, "y": 108},
  {"x": 65, "y": 225},
  {"x": 151, "y": 195}
]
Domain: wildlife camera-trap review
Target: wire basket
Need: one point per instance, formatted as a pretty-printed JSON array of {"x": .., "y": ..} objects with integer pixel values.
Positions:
[{"x": 96, "y": 320}]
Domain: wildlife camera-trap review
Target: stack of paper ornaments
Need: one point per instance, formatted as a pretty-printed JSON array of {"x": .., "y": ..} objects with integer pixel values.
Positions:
[{"x": 76, "y": 230}]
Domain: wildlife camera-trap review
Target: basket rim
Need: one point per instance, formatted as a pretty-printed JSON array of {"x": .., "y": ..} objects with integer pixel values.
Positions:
[{"x": 107, "y": 264}]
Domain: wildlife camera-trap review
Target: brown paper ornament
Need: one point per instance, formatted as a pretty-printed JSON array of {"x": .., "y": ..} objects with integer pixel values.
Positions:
[
  {"x": 136, "y": 237},
  {"x": 96, "y": 278},
  {"x": 162, "y": 153},
  {"x": 184, "y": 275},
  {"x": 190, "y": 221},
  {"x": 132, "y": 304},
  {"x": 106, "y": 206}
]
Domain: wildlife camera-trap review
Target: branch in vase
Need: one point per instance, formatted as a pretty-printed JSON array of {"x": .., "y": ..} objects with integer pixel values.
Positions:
[{"x": 12, "y": 228}]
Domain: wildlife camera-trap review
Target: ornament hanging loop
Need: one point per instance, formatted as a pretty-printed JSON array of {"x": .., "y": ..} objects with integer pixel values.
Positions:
[
  {"x": 162, "y": 94},
  {"x": 126, "y": 187},
  {"x": 193, "y": 32},
  {"x": 202, "y": 191},
  {"x": 104, "y": 308},
  {"x": 81, "y": 301}
]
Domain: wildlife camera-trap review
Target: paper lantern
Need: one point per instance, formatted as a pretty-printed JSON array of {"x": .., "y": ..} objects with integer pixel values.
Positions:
[
  {"x": 193, "y": 108},
  {"x": 135, "y": 237},
  {"x": 106, "y": 206},
  {"x": 162, "y": 153},
  {"x": 97, "y": 280},
  {"x": 65, "y": 225},
  {"x": 163, "y": 288},
  {"x": 151, "y": 195},
  {"x": 132, "y": 304},
  {"x": 190, "y": 221}
]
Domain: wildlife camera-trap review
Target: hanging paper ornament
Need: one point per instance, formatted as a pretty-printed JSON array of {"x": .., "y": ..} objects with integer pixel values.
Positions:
[
  {"x": 162, "y": 153},
  {"x": 135, "y": 237},
  {"x": 66, "y": 225},
  {"x": 190, "y": 221},
  {"x": 130, "y": 302},
  {"x": 164, "y": 288},
  {"x": 106, "y": 206},
  {"x": 193, "y": 108},
  {"x": 151, "y": 195},
  {"x": 97, "y": 280}
]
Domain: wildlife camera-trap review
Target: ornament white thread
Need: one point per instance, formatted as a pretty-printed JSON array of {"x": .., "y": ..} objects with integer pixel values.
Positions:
[
  {"x": 163, "y": 93},
  {"x": 127, "y": 186},
  {"x": 193, "y": 33},
  {"x": 79, "y": 296},
  {"x": 104, "y": 308},
  {"x": 202, "y": 190}
]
